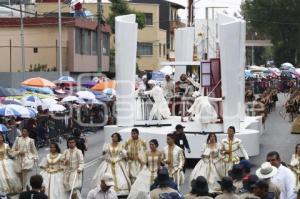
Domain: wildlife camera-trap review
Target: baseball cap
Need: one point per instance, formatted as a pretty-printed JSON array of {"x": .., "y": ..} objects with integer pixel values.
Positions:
[{"x": 108, "y": 179}]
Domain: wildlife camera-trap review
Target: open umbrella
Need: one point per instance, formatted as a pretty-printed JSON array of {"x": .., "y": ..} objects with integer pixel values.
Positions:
[
  {"x": 57, "y": 108},
  {"x": 103, "y": 85},
  {"x": 70, "y": 98},
  {"x": 89, "y": 84},
  {"x": 22, "y": 111},
  {"x": 3, "y": 128},
  {"x": 6, "y": 111},
  {"x": 287, "y": 66},
  {"x": 38, "y": 82},
  {"x": 66, "y": 79},
  {"x": 87, "y": 95},
  {"x": 49, "y": 101},
  {"x": 43, "y": 90},
  {"x": 12, "y": 101},
  {"x": 31, "y": 101},
  {"x": 110, "y": 92}
]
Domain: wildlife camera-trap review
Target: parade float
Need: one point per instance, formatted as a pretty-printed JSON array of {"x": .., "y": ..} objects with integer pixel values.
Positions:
[{"x": 221, "y": 77}]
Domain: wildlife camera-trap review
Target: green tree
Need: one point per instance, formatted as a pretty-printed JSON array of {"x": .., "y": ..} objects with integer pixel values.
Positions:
[
  {"x": 279, "y": 20},
  {"x": 121, "y": 7}
]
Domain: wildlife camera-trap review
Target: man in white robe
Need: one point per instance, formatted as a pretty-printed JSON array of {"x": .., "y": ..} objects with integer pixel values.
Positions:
[
  {"x": 26, "y": 156},
  {"x": 74, "y": 164},
  {"x": 174, "y": 159},
  {"x": 284, "y": 178}
]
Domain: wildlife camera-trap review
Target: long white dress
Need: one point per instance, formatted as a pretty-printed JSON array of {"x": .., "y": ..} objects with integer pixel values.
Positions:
[
  {"x": 9, "y": 181},
  {"x": 53, "y": 176},
  {"x": 146, "y": 177},
  {"x": 203, "y": 110},
  {"x": 114, "y": 164},
  {"x": 210, "y": 166},
  {"x": 160, "y": 107}
]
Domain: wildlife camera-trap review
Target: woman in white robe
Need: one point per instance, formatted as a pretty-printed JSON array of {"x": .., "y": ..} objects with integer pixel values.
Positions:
[
  {"x": 53, "y": 173},
  {"x": 114, "y": 163},
  {"x": 203, "y": 110},
  {"x": 210, "y": 165},
  {"x": 160, "y": 106},
  {"x": 9, "y": 181},
  {"x": 146, "y": 177}
]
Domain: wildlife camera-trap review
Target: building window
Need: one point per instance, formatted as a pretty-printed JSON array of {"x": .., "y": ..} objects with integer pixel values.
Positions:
[
  {"x": 86, "y": 42},
  {"x": 148, "y": 19},
  {"x": 171, "y": 42},
  {"x": 145, "y": 49},
  {"x": 78, "y": 37},
  {"x": 159, "y": 49},
  {"x": 35, "y": 50},
  {"x": 164, "y": 49},
  {"x": 94, "y": 43},
  {"x": 105, "y": 43}
]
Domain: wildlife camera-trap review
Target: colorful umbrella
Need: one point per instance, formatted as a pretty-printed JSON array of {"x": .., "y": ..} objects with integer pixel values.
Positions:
[
  {"x": 22, "y": 111},
  {"x": 110, "y": 92},
  {"x": 3, "y": 128},
  {"x": 6, "y": 111},
  {"x": 103, "y": 85},
  {"x": 38, "y": 82}
]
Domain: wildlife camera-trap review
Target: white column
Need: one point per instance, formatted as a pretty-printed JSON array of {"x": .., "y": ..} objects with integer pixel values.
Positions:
[
  {"x": 184, "y": 48},
  {"x": 232, "y": 51},
  {"x": 125, "y": 59}
]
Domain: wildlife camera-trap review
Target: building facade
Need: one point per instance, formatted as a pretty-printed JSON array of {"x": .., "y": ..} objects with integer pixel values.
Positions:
[
  {"x": 155, "y": 41},
  {"x": 41, "y": 46}
]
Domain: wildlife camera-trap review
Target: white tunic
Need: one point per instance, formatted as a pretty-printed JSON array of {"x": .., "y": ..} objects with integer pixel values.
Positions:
[
  {"x": 286, "y": 181},
  {"x": 26, "y": 146},
  {"x": 174, "y": 159},
  {"x": 236, "y": 150},
  {"x": 76, "y": 163}
]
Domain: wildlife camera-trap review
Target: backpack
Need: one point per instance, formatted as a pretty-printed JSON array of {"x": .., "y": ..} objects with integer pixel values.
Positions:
[{"x": 172, "y": 195}]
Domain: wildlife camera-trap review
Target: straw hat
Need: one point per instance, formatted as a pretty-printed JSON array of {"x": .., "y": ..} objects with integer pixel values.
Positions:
[{"x": 266, "y": 170}]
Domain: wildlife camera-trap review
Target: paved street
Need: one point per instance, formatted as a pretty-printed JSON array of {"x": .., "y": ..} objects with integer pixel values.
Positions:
[{"x": 276, "y": 137}]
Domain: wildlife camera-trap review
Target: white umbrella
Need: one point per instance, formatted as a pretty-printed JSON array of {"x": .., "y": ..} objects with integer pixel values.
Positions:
[
  {"x": 70, "y": 98},
  {"x": 168, "y": 70},
  {"x": 87, "y": 95},
  {"x": 49, "y": 101},
  {"x": 56, "y": 108}
]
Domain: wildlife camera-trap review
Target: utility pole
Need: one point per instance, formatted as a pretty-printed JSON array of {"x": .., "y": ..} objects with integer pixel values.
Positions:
[
  {"x": 99, "y": 35},
  {"x": 22, "y": 41},
  {"x": 191, "y": 13},
  {"x": 59, "y": 39}
]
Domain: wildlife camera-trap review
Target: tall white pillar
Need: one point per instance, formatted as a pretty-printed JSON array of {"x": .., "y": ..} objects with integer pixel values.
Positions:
[
  {"x": 232, "y": 51},
  {"x": 184, "y": 48},
  {"x": 125, "y": 59}
]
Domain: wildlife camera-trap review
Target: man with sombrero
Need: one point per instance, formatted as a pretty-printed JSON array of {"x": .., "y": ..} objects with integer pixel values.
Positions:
[{"x": 266, "y": 172}]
